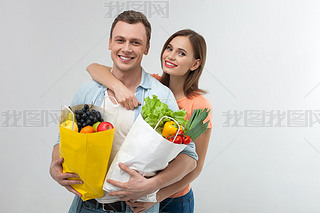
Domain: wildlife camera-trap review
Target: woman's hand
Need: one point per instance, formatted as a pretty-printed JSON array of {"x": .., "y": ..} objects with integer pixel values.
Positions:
[
  {"x": 125, "y": 97},
  {"x": 103, "y": 75},
  {"x": 138, "y": 207}
]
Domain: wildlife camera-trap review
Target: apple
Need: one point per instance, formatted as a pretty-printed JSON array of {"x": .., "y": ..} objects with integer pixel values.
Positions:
[
  {"x": 68, "y": 124},
  {"x": 104, "y": 126},
  {"x": 95, "y": 125}
]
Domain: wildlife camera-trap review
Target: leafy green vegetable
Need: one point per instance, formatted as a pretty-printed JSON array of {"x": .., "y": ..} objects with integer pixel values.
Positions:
[
  {"x": 154, "y": 110},
  {"x": 195, "y": 126}
]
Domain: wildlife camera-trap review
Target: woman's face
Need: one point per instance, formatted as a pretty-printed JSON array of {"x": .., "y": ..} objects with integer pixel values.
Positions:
[{"x": 178, "y": 58}]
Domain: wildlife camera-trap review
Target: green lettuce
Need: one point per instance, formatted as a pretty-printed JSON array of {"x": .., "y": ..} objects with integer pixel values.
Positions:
[{"x": 154, "y": 110}]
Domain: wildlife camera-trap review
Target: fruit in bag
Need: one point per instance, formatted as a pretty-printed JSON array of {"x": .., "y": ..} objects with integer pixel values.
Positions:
[{"x": 68, "y": 124}]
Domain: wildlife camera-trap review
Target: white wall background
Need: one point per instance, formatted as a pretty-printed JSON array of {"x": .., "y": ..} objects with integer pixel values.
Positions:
[{"x": 262, "y": 55}]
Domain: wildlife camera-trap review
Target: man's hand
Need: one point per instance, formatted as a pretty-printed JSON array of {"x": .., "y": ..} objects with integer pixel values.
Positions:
[
  {"x": 62, "y": 178},
  {"x": 138, "y": 207},
  {"x": 137, "y": 186}
]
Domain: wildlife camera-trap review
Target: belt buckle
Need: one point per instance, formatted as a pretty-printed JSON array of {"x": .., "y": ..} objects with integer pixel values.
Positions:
[{"x": 104, "y": 208}]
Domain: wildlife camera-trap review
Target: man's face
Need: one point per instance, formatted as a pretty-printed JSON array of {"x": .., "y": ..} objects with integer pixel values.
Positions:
[{"x": 127, "y": 45}]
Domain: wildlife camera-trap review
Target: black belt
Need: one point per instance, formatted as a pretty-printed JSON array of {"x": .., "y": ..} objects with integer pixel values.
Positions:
[{"x": 112, "y": 207}]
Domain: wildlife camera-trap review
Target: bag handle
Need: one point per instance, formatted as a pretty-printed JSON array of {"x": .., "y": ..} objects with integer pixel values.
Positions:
[
  {"x": 68, "y": 108},
  {"x": 117, "y": 104},
  {"x": 73, "y": 117},
  {"x": 171, "y": 119}
]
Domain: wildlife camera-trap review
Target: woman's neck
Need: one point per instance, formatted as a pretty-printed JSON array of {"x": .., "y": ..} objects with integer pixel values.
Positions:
[{"x": 176, "y": 86}]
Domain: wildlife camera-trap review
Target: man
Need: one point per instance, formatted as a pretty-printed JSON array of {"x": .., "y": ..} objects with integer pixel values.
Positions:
[{"x": 128, "y": 42}]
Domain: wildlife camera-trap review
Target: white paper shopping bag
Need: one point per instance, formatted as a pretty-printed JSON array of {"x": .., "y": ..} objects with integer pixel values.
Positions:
[{"x": 145, "y": 151}]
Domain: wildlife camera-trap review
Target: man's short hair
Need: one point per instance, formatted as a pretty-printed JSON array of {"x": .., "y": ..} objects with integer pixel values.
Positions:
[{"x": 133, "y": 17}]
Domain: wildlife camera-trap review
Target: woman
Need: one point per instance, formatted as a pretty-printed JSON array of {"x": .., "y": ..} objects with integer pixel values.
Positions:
[{"x": 182, "y": 59}]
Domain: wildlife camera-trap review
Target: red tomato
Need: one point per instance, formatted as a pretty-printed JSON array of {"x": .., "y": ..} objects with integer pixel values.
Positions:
[
  {"x": 170, "y": 138},
  {"x": 178, "y": 140},
  {"x": 186, "y": 139},
  {"x": 180, "y": 132}
]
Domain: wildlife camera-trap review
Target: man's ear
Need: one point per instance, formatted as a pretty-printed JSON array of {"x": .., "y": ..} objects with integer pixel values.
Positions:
[
  {"x": 147, "y": 50},
  {"x": 195, "y": 65},
  {"x": 110, "y": 46}
]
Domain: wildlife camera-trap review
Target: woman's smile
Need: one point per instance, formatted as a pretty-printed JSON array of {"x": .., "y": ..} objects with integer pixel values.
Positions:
[{"x": 170, "y": 64}]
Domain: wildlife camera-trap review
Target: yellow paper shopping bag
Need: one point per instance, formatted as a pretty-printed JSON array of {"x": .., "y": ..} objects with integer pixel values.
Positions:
[{"x": 86, "y": 155}]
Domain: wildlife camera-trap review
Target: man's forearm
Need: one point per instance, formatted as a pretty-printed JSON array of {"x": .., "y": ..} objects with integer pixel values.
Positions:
[
  {"x": 55, "y": 152},
  {"x": 175, "y": 171}
]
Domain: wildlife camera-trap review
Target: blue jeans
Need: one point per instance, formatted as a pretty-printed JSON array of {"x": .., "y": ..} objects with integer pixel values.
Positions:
[
  {"x": 183, "y": 204},
  {"x": 78, "y": 206}
]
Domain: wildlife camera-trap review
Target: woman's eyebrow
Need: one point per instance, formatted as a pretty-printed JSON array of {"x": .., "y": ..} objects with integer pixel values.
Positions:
[{"x": 182, "y": 50}]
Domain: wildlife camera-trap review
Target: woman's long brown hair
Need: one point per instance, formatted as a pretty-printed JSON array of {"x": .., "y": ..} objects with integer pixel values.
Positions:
[{"x": 199, "y": 47}]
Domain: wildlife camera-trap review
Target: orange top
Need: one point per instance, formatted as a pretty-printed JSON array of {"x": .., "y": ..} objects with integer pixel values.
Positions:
[
  {"x": 156, "y": 76},
  {"x": 196, "y": 102},
  {"x": 190, "y": 104}
]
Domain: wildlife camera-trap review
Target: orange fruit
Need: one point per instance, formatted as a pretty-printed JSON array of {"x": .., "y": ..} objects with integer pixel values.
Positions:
[{"x": 87, "y": 129}]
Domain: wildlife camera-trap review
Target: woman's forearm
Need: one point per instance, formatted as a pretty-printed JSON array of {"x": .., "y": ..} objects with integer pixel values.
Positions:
[
  {"x": 178, "y": 186},
  {"x": 175, "y": 171},
  {"x": 201, "y": 147},
  {"x": 103, "y": 75}
]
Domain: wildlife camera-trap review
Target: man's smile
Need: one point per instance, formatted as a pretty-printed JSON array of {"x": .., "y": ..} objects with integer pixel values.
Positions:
[{"x": 125, "y": 58}]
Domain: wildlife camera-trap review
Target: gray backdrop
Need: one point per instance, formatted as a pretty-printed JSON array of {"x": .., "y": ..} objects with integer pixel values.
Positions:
[{"x": 262, "y": 75}]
